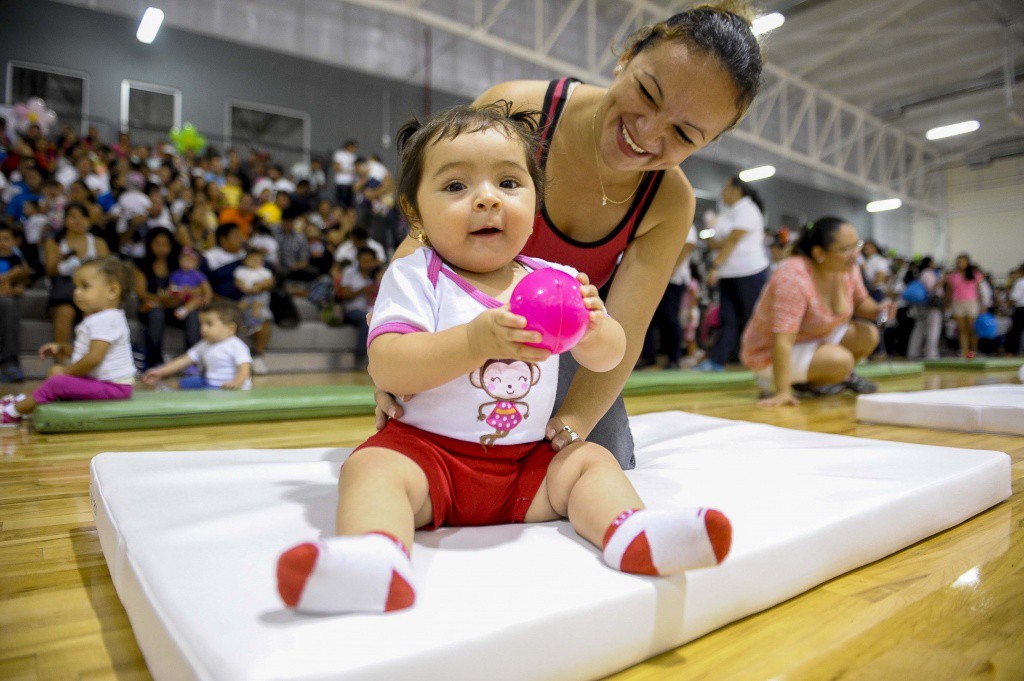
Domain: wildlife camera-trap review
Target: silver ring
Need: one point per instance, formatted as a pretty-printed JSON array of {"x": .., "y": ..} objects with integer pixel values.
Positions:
[{"x": 573, "y": 435}]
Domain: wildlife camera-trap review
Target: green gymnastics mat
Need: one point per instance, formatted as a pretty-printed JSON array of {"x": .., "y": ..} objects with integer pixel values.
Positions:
[
  {"x": 879, "y": 370},
  {"x": 977, "y": 364},
  {"x": 205, "y": 407},
  {"x": 682, "y": 380}
]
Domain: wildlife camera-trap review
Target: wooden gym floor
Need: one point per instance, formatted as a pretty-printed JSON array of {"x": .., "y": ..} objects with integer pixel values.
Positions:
[{"x": 949, "y": 607}]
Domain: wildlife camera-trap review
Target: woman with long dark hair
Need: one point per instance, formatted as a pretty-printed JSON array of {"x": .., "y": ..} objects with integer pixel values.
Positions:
[
  {"x": 62, "y": 255},
  {"x": 156, "y": 302},
  {"x": 963, "y": 291},
  {"x": 740, "y": 268},
  {"x": 815, "y": 319},
  {"x": 618, "y": 202}
]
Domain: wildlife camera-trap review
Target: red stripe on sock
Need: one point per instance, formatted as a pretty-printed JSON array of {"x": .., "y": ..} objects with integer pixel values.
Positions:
[
  {"x": 400, "y": 594},
  {"x": 719, "y": 531},
  {"x": 293, "y": 568},
  {"x": 637, "y": 558},
  {"x": 615, "y": 525}
]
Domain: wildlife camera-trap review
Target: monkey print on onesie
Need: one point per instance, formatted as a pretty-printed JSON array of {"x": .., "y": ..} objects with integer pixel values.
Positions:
[{"x": 508, "y": 381}]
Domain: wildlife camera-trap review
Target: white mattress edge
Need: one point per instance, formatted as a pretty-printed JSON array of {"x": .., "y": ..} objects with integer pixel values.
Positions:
[
  {"x": 995, "y": 474},
  {"x": 164, "y": 658},
  {"x": 943, "y": 416}
]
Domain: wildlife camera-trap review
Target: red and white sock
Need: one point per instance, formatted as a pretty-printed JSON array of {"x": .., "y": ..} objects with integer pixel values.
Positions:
[
  {"x": 368, "y": 573},
  {"x": 649, "y": 542}
]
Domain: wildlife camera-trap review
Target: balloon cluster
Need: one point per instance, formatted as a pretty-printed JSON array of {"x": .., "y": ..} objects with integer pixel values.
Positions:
[
  {"x": 187, "y": 138},
  {"x": 34, "y": 112}
]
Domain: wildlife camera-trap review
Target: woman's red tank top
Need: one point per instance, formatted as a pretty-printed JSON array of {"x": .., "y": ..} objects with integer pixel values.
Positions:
[{"x": 597, "y": 258}]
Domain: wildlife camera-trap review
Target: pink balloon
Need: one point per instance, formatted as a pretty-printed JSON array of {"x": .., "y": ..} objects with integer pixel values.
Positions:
[{"x": 552, "y": 304}]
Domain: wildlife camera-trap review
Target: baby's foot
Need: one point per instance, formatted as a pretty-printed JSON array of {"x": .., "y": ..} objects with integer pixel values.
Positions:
[
  {"x": 667, "y": 542},
  {"x": 368, "y": 573}
]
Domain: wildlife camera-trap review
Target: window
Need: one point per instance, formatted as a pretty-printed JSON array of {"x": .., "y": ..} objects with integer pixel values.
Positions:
[
  {"x": 284, "y": 133},
  {"x": 148, "y": 112},
  {"x": 63, "y": 90}
]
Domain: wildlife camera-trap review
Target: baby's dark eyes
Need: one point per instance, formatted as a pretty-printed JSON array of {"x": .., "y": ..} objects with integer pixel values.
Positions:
[
  {"x": 510, "y": 184},
  {"x": 454, "y": 187}
]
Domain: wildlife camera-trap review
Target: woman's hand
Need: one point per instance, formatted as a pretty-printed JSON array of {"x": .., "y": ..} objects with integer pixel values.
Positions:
[
  {"x": 560, "y": 438},
  {"x": 152, "y": 377},
  {"x": 499, "y": 333},
  {"x": 779, "y": 400},
  {"x": 387, "y": 407}
]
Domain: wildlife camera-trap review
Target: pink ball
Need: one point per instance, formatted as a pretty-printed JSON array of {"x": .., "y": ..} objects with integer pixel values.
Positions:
[{"x": 552, "y": 304}]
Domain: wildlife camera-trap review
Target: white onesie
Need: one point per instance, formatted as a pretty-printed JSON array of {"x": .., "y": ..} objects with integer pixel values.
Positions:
[{"x": 510, "y": 399}]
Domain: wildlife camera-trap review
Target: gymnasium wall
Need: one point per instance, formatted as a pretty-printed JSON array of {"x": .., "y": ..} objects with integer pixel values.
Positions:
[
  {"x": 340, "y": 102},
  {"x": 986, "y": 213}
]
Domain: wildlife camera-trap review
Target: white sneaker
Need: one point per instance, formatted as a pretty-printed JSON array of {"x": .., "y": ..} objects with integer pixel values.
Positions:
[
  {"x": 259, "y": 366},
  {"x": 6, "y": 420}
]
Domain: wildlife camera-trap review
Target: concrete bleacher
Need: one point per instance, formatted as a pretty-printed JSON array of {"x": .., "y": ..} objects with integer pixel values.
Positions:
[{"x": 310, "y": 346}]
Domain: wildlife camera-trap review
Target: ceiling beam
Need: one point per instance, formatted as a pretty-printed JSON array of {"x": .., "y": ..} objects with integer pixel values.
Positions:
[
  {"x": 894, "y": 109},
  {"x": 920, "y": 55},
  {"x": 823, "y": 58}
]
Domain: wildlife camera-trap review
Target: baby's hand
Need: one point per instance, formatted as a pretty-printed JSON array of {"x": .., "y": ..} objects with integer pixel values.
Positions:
[
  {"x": 592, "y": 301},
  {"x": 49, "y": 350},
  {"x": 499, "y": 333}
]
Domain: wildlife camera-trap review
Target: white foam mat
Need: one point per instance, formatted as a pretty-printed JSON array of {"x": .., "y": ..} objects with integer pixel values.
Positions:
[
  {"x": 979, "y": 409},
  {"x": 192, "y": 539}
]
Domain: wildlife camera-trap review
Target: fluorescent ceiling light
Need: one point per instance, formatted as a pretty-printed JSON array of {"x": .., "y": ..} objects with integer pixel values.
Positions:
[
  {"x": 886, "y": 204},
  {"x": 769, "y": 22},
  {"x": 759, "y": 173},
  {"x": 951, "y": 130},
  {"x": 150, "y": 25}
]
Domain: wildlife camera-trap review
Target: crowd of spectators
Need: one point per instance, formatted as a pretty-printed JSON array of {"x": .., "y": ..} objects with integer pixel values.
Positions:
[
  {"x": 218, "y": 224},
  {"x": 259, "y": 233},
  {"x": 940, "y": 323}
]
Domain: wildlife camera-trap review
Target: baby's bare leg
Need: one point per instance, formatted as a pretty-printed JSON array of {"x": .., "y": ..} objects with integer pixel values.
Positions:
[
  {"x": 585, "y": 484},
  {"x": 382, "y": 490}
]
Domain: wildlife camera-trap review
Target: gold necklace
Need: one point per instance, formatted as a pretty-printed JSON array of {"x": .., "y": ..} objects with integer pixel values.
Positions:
[{"x": 605, "y": 199}]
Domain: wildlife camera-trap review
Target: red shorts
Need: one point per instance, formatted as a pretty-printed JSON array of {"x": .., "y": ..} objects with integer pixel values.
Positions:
[{"x": 470, "y": 485}]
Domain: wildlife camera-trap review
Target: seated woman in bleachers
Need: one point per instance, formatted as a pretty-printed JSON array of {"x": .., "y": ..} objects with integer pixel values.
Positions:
[
  {"x": 157, "y": 304},
  {"x": 62, "y": 255},
  {"x": 814, "y": 320}
]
